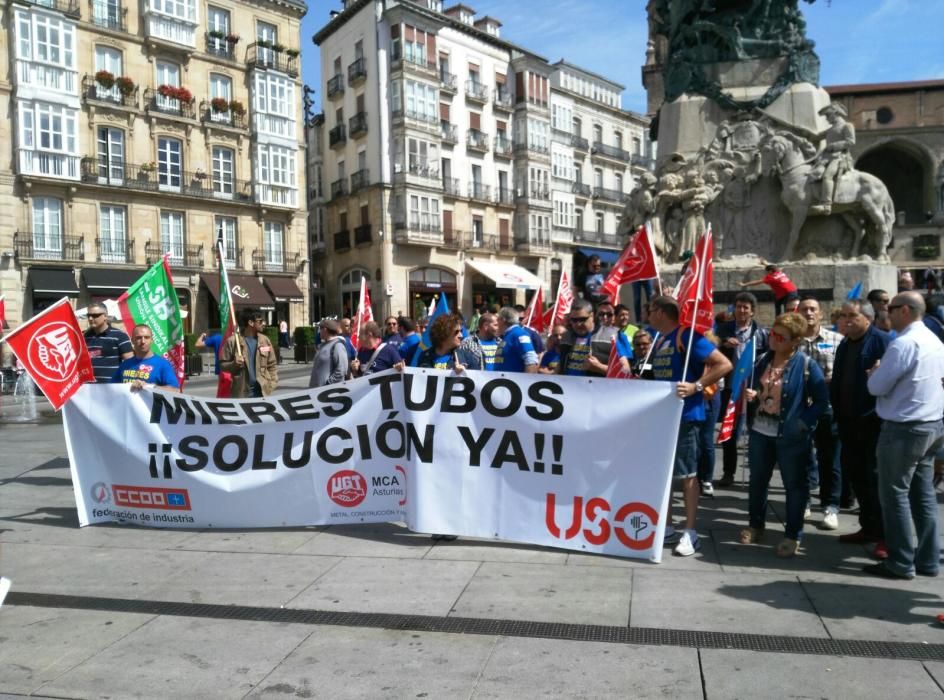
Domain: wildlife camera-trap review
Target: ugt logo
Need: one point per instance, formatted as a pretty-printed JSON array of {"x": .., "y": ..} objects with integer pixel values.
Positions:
[
  {"x": 634, "y": 524},
  {"x": 347, "y": 488}
]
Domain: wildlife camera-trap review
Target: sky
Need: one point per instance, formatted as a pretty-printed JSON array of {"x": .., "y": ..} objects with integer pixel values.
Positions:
[{"x": 858, "y": 41}]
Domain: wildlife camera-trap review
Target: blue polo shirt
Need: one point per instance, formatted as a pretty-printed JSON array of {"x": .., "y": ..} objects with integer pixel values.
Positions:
[
  {"x": 408, "y": 347},
  {"x": 668, "y": 358},
  {"x": 150, "y": 370},
  {"x": 515, "y": 351}
]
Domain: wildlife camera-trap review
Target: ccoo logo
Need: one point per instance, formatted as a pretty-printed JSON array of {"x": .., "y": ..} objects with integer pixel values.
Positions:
[
  {"x": 100, "y": 493},
  {"x": 347, "y": 488}
]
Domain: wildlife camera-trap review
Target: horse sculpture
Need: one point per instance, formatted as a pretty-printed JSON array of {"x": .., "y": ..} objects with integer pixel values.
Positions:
[{"x": 857, "y": 194}]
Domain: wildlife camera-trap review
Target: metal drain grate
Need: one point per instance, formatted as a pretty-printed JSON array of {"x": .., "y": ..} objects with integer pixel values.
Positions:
[{"x": 505, "y": 628}]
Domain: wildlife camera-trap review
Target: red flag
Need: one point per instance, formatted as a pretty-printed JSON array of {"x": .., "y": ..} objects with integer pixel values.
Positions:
[
  {"x": 3, "y": 313},
  {"x": 695, "y": 288},
  {"x": 365, "y": 314},
  {"x": 534, "y": 315},
  {"x": 562, "y": 303},
  {"x": 52, "y": 349},
  {"x": 636, "y": 262},
  {"x": 730, "y": 420}
]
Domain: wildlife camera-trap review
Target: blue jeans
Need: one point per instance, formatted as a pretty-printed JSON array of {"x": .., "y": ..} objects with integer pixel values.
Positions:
[
  {"x": 686, "y": 450},
  {"x": 825, "y": 469},
  {"x": 638, "y": 288},
  {"x": 906, "y": 489},
  {"x": 793, "y": 457},
  {"x": 706, "y": 439}
]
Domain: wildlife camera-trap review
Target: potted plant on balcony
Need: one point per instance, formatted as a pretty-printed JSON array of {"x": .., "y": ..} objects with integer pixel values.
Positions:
[
  {"x": 125, "y": 85},
  {"x": 184, "y": 95},
  {"x": 292, "y": 53},
  {"x": 216, "y": 34},
  {"x": 237, "y": 108},
  {"x": 263, "y": 44},
  {"x": 232, "y": 39},
  {"x": 105, "y": 79},
  {"x": 219, "y": 104},
  {"x": 278, "y": 48},
  {"x": 166, "y": 90},
  {"x": 200, "y": 174},
  {"x": 147, "y": 168}
]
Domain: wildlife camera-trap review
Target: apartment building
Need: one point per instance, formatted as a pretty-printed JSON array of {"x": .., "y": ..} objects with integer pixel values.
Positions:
[
  {"x": 438, "y": 160},
  {"x": 145, "y": 129}
]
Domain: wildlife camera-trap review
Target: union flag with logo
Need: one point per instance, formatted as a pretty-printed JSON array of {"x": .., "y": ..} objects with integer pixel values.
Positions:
[
  {"x": 636, "y": 262},
  {"x": 52, "y": 349},
  {"x": 694, "y": 292}
]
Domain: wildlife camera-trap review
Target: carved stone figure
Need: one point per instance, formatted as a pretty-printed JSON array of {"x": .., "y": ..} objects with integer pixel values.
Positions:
[
  {"x": 834, "y": 160},
  {"x": 694, "y": 199}
]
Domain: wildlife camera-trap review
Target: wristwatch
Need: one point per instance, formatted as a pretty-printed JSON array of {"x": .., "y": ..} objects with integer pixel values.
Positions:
[{"x": 699, "y": 387}]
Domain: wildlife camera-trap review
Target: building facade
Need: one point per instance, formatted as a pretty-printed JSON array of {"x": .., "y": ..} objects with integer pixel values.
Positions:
[
  {"x": 148, "y": 129},
  {"x": 439, "y": 161}
]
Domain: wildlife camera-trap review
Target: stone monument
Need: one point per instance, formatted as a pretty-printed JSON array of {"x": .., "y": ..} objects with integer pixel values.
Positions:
[{"x": 748, "y": 141}]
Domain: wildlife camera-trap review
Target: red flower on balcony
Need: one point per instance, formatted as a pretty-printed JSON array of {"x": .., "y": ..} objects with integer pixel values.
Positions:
[
  {"x": 232, "y": 38},
  {"x": 105, "y": 79},
  {"x": 219, "y": 104},
  {"x": 184, "y": 95},
  {"x": 125, "y": 85},
  {"x": 177, "y": 93},
  {"x": 237, "y": 107}
]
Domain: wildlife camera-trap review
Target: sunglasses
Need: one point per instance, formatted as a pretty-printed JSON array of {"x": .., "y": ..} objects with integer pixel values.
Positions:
[
  {"x": 605, "y": 313},
  {"x": 95, "y": 315},
  {"x": 780, "y": 338},
  {"x": 579, "y": 319}
]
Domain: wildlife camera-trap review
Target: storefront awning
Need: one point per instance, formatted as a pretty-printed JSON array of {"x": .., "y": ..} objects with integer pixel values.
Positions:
[
  {"x": 507, "y": 275},
  {"x": 607, "y": 257},
  {"x": 108, "y": 281},
  {"x": 283, "y": 288},
  {"x": 53, "y": 281},
  {"x": 245, "y": 290}
]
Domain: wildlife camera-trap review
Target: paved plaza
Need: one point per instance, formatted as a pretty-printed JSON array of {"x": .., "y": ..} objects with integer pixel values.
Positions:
[{"x": 376, "y": 611}]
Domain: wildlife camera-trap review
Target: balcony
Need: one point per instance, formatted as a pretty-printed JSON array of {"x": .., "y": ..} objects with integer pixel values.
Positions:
[
  {"x": 477, "y": 141},
  {"x": 504, "y": 196},
  {"x": 337, "y": 137},
  {"x": 262, "y": 56},
  {"x": 175, "y": 32},
  {"x": 480, "y": 192},
  {"x": 419, "y": 172},
  {"x": 152, "y": 177},
  {"x": 415, "y": 64},
  {"x": 106, "y": 15},
  {"x": 155, "y": 102},
  {"x": 115, "y": 251},
  {"x": 410, "y": 117},
  {"x": 454, "y": 239},
  {"x": 562, "y": 235},
  {"x": 339, "y": 188},
  {"x": 93, "y": 91},
  {"x": 642, "y": 161},
  {"x": 233, "y": 118},
  {"x": 276, "y": 261},
  {"x": 179, "y": 254},
  {"x": 219, "y": 46},
  {"x": 579, "y": 143},
  {"x": 275, "y": 195},
  {"x": 451, "y": 187},
  {"x": 502, "y": 100},
  {"x": 536, "y": 191},
  {"x": 425, "y": 231},
  {"x": 70, "y": 8},
  {"x": 611, "y": 152},
  {"x": 48, "y": 164},
  {"x": 449, "y": 133},
  {"x": 502, "y": 147},
  {"x": 539, "y": 244},
  {"x": 476, "y": 92},
  {"x": 357, "y": 72},
  {"x": 362, "y": 235},
  {"x": 581, "y": 189},
  {"x": 488, "y": 241},
  {"x": 608, "y": 195},
  {"x": 233, "y": 259},
  {"x": 357, "y": 125},
  {"x": 342, "y": 240},
  {"x": 610, "y": 240},
  {"x": 360, "y": 180},
  {"x": 448, "y": 83},
  {"x": 45, "y": 246},
  {"x": 335, "y": 86}
]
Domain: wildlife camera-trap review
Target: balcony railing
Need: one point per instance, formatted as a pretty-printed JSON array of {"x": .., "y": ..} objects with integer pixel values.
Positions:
[
  {"x": 180, "y": 255},
  {"x": 342, "y": 240},
  {"x": 538, "y": 244},
  {"x": 70, "y": 8},
  {"x": 476, "y": 91},
  {"x": 337, "y": 136},
  {"x": 536, "y": 192},
  {"x": 275, "y": 261},
  {"x": 448, "y": 82},
  {"x": 219, "y": 47},
  {"x": 275, "y": 195},
  {"x": 233, "y": 259},
  {"x": 503, "y": 146},
  {"x": 156, "y": 102},
  {"x": 475, "y": 140},
  {"x": 357, "y": 72},
  {"x": 425, "y": 231},
  {"x": 115, "y": 251},
  {"x": 335, "y": 86},
  {"x": 43, "y": 246},
  {"x": 609, "y": 195},
  {"x": 451, "y": 187},
  {"x": 108, "y": 16},
  {"x": 581, "y": 189},
  {"x": 449, "y": 133},
  {"x": 414, "y": 63},
  {"x": 360, "y": 180},
  {"x": 601, "y": 149},
  {"x": 643, "y": 161},
  {"x": 580, "y": 143},
  {"x": 338, "y": 188},
  {"x": 504, "y": 195},
  {"x": 598, "y": 238},
  {"x": 424, "y": 118},
  {"x": 156, "y": 178},
  {"x": 357, "y": 125},
  {"x": 420, "y": 168},
  {"x": 268, "y": 58},
  {"x": 481, "y": 192},
  {"x": 208, "y": 115},
  {"x": 502, "y": 100},
  {"x": 362, "y": 235},
  {"x": 95, "y": 92},
  {"x": 488, "y": 241}
]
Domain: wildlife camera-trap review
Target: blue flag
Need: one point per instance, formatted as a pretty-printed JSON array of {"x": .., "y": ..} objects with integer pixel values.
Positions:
[
  {"x": 440, "y": 308},
  {"x": 742, "y": 371},
  {"x": 856, "y": 291}
]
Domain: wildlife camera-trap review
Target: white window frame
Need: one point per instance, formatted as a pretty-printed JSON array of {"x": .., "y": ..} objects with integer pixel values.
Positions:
[
  {"x": 170, "y": 163},
  {"x": 273, "y": 242},
  {"x": 230, "y": 250},
  {"x": 47, "y": 227},
  {"x": 224, "y": 171},
  {"x": 173, "y": 235},
  {"x": 113, "y": 233},
  {"x": 110, "y": 153}
]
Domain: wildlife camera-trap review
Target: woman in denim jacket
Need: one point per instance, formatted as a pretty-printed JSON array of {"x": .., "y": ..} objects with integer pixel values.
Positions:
[{"x": 791, "y": 394}]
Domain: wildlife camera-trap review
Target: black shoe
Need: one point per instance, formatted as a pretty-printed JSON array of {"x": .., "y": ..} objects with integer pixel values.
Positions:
[
  {"x": 929, "y": 574},
  {"x": 726, "y": 481},
  {"x": 883, "y": 571}
]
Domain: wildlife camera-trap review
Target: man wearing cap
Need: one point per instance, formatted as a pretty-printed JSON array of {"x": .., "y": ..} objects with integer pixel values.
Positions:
[
  {"x": 331, "y": 363},
  {"x": 834, "y": 160}
]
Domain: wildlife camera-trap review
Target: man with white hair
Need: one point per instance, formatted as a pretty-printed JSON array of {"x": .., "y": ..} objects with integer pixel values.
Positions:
[{"x": 515, "y": 351}]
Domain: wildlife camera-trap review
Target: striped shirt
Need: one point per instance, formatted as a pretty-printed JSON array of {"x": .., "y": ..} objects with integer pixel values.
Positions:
[
  {"x": 822, "y": 349},
  {"x": 106, "y": 351}
]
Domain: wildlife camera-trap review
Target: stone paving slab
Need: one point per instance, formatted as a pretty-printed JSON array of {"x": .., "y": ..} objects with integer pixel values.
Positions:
[
  {"x": 936, "y": 668},
  {"x": 383, "y": 540},
  {"x": 723, "y": 603},
  {"x": 541, "y": 592},
  {"x": 472, "y": 549},
  {"x": 274, "y": 541},
  {"x": 754, "y": 675}
]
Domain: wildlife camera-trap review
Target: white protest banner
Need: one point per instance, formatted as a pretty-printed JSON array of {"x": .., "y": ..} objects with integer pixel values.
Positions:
[{"x": 566, "y": 462}]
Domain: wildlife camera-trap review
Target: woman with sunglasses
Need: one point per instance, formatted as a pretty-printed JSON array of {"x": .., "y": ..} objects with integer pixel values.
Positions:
[
  {"x": 445, "y": 334},
  {"x": 792, "y": 394}
]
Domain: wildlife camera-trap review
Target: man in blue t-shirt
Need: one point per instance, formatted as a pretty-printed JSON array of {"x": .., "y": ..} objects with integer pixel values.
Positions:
[
  {"x": 145, "y": 367},
  {"x": 515, "y": 351},
  {"x": 484, "y": 342},
  {"x": 214, "y": 341},
  {"x": 411, "y": 339},
  {"x": 576, "y": 347},
  {"x": 706, "y": 366},
  {"x": 374, "y": 354}
]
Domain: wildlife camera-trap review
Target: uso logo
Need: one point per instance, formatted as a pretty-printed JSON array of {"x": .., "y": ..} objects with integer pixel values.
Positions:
[{"x": 347, "y": 488}]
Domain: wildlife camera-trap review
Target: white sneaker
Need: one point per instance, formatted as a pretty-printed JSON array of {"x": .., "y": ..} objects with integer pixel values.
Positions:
[
  {"x": 830, "y": 519},
  {"x": 707, "y": 489},
  {"x": 688, "y": 545},
  {"x": 807, "y": 514}
]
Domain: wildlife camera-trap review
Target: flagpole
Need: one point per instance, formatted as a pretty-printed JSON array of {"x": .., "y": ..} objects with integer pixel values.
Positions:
[
  {"x": 698, "y": 285},
  {"x": 652, "y": 252},
  {"x": 229, "y": 297},
  {"x": 560, "y": 283}
]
